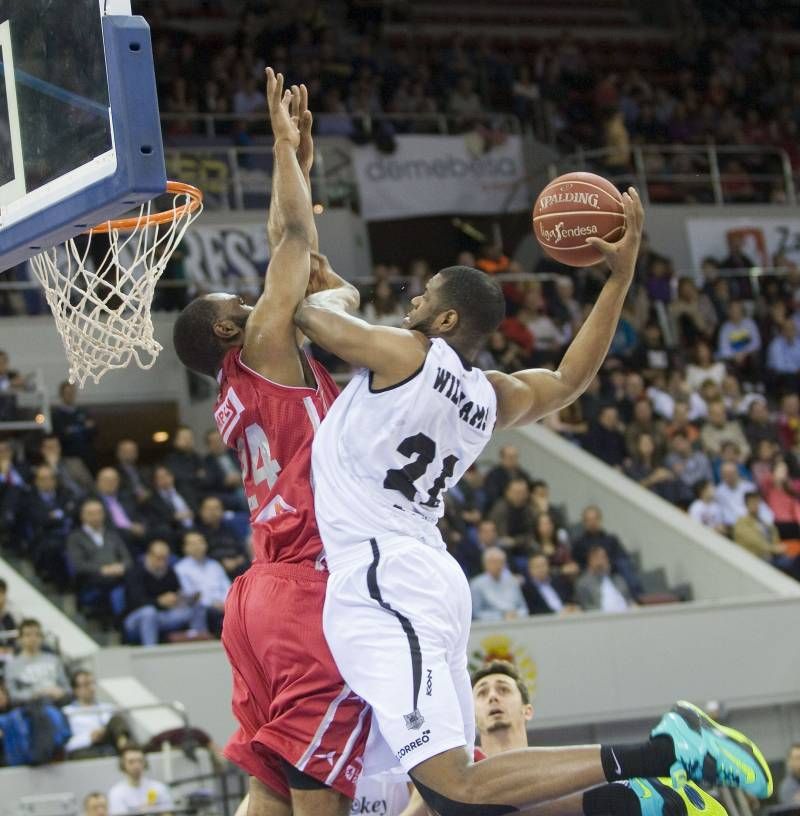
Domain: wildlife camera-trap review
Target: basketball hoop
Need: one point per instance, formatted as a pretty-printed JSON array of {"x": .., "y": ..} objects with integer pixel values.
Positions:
[{"x": 102, "y": 309}]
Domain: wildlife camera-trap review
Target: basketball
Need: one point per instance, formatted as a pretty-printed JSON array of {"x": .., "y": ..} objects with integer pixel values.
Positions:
[{"x": 572, "y": 208}]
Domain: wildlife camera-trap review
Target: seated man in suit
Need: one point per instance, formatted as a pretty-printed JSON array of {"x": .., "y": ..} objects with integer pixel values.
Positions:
[
  {"x": 186, "y": 464},
  {"x": 169, "y": 512},
  {"x": 71, "y": 472},
  {"x": 98, "y": 556},
  {"x": 598, "y": 589},
  {"x": 545, "y": 594},
  {"x": 133, "y": 479},
  {"x": 156, "y": 604},
  {"x": 121, "y": 512},
  {"x": 594, "y": 534},
  {"x": 48, "y": 511},
  {"x": 13, "y": 491}
]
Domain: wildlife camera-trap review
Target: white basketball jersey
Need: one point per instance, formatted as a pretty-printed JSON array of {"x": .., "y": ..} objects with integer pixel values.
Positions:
[{"x": 382, "y": 460}]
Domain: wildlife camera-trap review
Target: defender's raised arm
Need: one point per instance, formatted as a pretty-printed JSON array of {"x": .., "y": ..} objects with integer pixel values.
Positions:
[{"x": 270, "y": 344}]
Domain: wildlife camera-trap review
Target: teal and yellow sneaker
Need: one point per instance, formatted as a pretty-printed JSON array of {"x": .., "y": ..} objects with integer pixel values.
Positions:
[
  {"x": 663, "y": 797},
  {"x": 710, "y": 752}
]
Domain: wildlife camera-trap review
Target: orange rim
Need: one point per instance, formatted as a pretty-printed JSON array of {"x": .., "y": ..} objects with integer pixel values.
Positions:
[{"x": 164, "y": 217}]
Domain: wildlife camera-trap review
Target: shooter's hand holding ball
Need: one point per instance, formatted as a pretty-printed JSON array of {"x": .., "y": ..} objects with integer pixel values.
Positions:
[{"x": 621, "y": 255}]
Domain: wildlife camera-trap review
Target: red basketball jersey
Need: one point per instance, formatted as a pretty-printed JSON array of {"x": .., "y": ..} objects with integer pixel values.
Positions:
[{"x": 272, "y": 426}]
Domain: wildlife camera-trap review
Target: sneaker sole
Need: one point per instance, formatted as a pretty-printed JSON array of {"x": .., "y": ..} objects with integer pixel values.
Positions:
[
  {"x": 674, "y": 805},
  {"x": 691, "y": 800},
  {"x": 737, "y": 736}
]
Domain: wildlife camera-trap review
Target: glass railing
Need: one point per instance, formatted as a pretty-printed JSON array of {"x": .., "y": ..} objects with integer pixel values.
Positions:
[
  {"x": 689, "y": 174},
  {"x": 239, "y": 177}
]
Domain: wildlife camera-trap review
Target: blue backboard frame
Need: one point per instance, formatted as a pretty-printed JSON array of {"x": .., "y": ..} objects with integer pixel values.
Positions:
[{"x": 140, "y": 173}]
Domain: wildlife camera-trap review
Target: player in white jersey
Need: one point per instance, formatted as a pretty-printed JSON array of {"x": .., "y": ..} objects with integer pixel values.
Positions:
[{"x": 398, "y": 608}]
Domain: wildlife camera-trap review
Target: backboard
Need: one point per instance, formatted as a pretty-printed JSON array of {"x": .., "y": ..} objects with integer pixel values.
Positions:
[{"x": 80, "y": 137}]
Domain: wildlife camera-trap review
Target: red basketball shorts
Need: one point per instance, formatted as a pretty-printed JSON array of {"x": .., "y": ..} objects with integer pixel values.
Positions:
[{"x": 288, "y": 696}]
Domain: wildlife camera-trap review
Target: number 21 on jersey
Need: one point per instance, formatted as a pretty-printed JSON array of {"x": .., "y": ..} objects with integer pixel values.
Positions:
[{"x": 402, "y": 479}]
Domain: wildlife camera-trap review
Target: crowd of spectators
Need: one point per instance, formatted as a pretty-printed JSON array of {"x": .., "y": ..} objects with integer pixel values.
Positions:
[
  {"x": 150, "y": 551},
  {"x": 721, "y": 80},
  {"x": 524, "y": 556},
  {"x": 44, "y": 712},
  {"x": 51, "y": 711},
  {"x": 351, "y": 70},
  {"x": 728, "y": 83},
  {"x": 47, "y": 715}
]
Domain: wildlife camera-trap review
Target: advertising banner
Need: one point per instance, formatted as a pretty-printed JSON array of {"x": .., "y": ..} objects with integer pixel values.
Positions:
[
  {"x": 439, "y": 175},
  {"x": 226, "y": 258}
]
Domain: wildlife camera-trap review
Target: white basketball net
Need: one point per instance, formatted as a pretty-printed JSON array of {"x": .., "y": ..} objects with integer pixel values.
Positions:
[{"x": 102, "y": 310}]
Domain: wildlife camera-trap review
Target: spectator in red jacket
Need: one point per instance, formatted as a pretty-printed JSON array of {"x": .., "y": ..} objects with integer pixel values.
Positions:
[
  {"x": 782, "y": 496},
  {"x": 789, "y": 422}
]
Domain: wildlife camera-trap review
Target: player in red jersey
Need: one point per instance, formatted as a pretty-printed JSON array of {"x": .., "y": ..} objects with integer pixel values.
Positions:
[{"x": 301, "y": 731}]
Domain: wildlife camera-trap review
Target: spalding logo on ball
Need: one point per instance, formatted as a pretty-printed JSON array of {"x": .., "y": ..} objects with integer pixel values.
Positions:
[{"x": 572, "y": 208}]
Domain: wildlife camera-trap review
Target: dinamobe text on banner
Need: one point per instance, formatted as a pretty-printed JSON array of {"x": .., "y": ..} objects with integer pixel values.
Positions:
[{"x": 438, "y": 175}]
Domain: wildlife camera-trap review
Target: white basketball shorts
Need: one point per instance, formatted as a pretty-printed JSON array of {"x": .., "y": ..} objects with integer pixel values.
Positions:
[{"x": 397, "y": 619}]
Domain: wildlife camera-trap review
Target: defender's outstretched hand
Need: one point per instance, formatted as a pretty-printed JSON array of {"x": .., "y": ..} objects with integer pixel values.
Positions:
[
  {"x": 283, "y": 126},
  {"x": 621, "y": 256},
  {"x": 300, "y": 111}
]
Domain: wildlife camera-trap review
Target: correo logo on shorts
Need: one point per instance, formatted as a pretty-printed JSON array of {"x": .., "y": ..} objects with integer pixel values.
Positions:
[
  {"x": 414, "y": 720},
  {"x": 414, "y": 744}
]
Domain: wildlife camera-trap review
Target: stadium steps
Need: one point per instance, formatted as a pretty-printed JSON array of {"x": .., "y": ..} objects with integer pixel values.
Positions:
[{"x": 66, "y": 602}]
